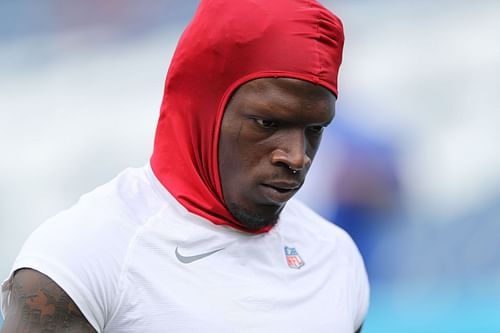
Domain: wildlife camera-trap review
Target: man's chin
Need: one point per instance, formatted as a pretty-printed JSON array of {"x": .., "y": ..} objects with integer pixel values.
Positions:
[{"x": 251, "y": 219}]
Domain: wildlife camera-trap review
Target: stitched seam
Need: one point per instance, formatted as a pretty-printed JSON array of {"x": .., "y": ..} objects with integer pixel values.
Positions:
[{"x": 125, "y": 266}]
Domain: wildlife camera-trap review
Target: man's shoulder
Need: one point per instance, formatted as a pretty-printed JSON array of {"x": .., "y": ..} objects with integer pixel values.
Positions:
[
  {"x": 297, "y": 211},
  {"x": 106, "y": 218},
  {"x": 130, "y": 194},
  {"x": 87, "y": 245},
  {"x": 125, "y": 201},
  {"x": 300, "y": 218}
]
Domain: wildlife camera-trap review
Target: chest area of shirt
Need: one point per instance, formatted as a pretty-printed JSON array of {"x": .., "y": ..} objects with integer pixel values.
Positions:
[{"x": 237, "y": 286}]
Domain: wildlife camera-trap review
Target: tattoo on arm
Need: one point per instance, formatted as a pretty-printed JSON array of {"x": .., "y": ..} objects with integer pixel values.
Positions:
[{"x": 38, "y": 304}]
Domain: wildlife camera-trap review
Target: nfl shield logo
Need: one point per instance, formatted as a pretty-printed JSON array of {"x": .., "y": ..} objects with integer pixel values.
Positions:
[{"x": 292, "y": 258}]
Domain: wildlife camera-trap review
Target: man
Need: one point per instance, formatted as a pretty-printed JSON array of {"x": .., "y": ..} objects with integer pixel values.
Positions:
[{"x": 205, "y": 237}]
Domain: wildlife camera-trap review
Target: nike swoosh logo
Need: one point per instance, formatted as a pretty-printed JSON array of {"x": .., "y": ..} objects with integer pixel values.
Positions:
[{"x": 190, "y": 259}]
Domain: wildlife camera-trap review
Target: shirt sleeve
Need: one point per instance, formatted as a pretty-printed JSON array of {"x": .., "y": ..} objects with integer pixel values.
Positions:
[{"x": 83, "y": 253}]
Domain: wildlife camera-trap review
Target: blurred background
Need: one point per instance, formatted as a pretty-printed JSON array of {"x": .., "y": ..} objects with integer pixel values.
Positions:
[{"x": 410, "y": 167}]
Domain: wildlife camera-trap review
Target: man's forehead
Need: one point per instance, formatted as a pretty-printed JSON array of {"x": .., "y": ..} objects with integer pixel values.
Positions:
[
  {"x": 286, "y": 99},
  {"x": 287, "y": 83}
]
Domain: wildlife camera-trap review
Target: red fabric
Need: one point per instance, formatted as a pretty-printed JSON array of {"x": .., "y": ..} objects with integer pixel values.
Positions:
[{"x": 228, "y": 43}]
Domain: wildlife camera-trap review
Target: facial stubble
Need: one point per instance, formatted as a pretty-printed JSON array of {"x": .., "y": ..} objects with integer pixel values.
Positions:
[{"x": 251, "y": 219}]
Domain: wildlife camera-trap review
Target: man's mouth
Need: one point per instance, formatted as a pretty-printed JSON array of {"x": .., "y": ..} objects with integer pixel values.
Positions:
[{"x": 280, "y": 191}]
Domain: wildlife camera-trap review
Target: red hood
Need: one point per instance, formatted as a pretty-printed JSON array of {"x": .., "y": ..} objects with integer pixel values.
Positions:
[{"x": 226, "y": 44}]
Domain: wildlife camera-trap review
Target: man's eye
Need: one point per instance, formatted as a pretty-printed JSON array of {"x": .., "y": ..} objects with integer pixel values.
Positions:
[
  {"x": 316, "y": 129},
  {"x": 266, "y": 123}
]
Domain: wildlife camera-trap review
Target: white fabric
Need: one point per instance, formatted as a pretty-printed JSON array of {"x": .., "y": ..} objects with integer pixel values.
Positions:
[{"x": 114, "y": 254}]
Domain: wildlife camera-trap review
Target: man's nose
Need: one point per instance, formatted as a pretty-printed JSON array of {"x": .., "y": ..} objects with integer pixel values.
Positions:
[{"x": 292, "y": 151}]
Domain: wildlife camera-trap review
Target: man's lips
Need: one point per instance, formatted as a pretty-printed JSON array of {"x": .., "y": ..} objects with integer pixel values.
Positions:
[{"x": 280, "y": 191}]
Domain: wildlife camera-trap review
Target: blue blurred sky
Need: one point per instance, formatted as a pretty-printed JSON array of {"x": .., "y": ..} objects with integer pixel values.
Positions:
[{"x": 413, "y": 147}]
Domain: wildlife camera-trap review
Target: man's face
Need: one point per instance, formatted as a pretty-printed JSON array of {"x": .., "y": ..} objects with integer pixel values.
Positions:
[{"x": 271, "y": 126}]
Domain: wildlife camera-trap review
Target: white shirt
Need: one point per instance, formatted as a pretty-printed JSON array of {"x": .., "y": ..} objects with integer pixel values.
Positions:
[{"x": 114, "y": 254}]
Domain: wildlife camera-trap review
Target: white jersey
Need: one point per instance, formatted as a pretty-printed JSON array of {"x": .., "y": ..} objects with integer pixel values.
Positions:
[{"x": 134, "y": 260}]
